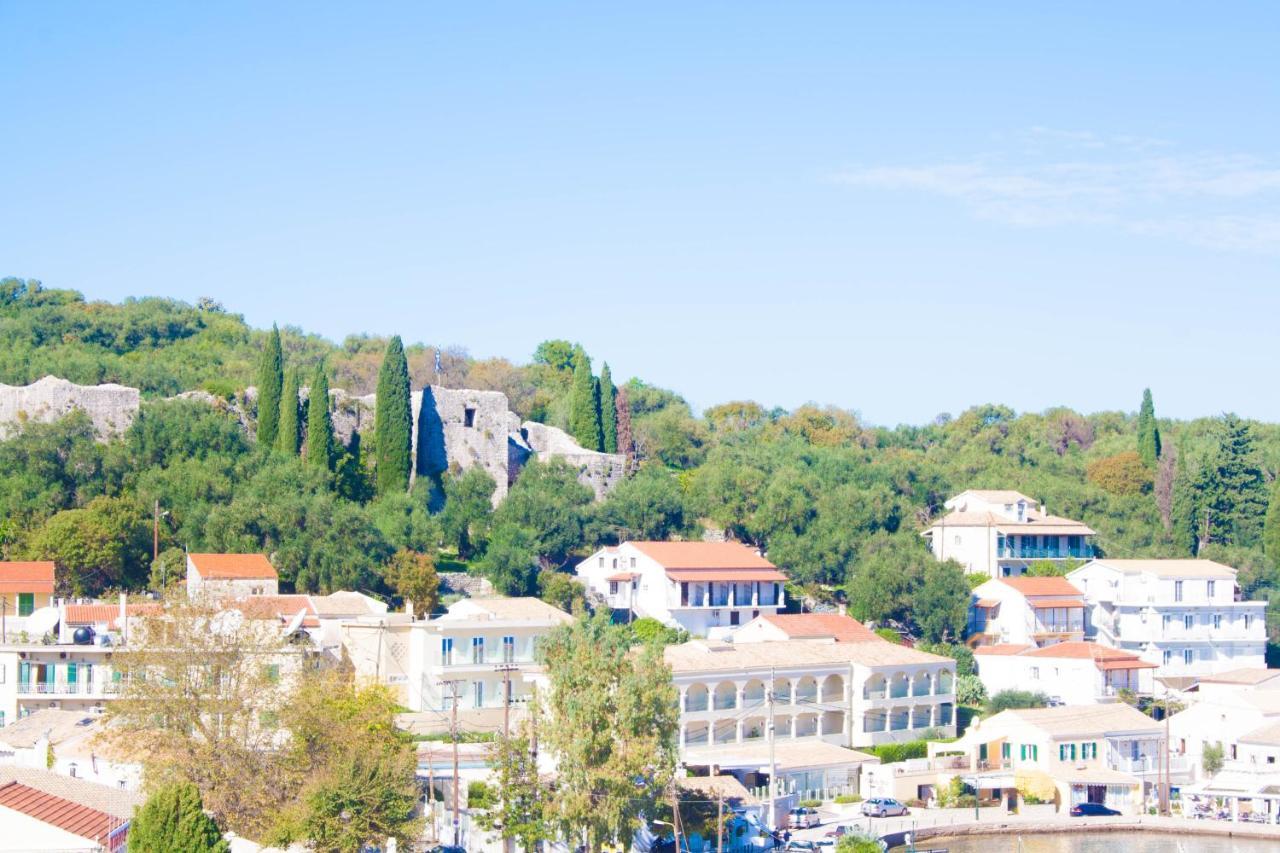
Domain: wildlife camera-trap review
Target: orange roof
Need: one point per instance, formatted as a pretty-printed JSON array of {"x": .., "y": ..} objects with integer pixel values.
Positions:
[
  {"x": 95, "y": 614},
  {"x": 622, "y": 577},
  {"x": 56, "y": 811},
  {"x": 282, "y": 607},
  {"x": 1001, "y": 649},
  {"x": 845, "y": 629},
  {"x": 233, "y": 566},
  {"x": 726, "y": 575},
  {"x": 987, "y": 602},
  {"x": 703, "y": 555},
  {"x": 1050, "y": 603},
  {"x": 1041, "y": 586},
  {"x": 28, "y": 576}
]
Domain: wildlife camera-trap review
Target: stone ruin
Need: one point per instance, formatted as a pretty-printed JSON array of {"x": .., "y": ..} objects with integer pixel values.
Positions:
[{"x": 453, "y": 429}]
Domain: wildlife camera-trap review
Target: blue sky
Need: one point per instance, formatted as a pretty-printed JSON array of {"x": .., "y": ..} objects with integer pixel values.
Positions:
[{"x": 899, "y": 211}]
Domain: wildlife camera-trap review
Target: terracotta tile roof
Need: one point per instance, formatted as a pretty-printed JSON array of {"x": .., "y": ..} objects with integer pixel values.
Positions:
[
  {"x": 1268, "y": 735},
  {"x": 281, "y": 607},
  {"x": 1169, "y": 568},
  {"x": 56, "y": 811},
  {"x": 622, "y": 577},
  {"x": 26, "y": 576},
  {"x": 117, "y": 802},
  {"x": 799, "y": 626},
  {"x": 997, "y": 496},
  {"x": 1035, "y": 523},
  {"x": 707, "y": 656},
  {"x": 703, "y": 555},
  {"x": 233, "y": 566},
  {"x": 521, "y": 609},
  {"x": 109, "y": 614},
  {"x": 726, "y": 575},
  {"x": 1244, "y": 675},
  {"x": 1042, "y": 586},
  {"x": 1079, "y": 721},
  {"x": 987, "y": 603}
]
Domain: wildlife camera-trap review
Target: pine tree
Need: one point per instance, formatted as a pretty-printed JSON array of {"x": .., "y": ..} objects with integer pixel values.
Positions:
[
  {"x": 289, "y": 438},
  {"x": 172, "y": 820},
  {"x": 608, "y": 411},
  {"x": 626, "y": 443},
  {"x": 270, "y": 380},
  {"x": 319, "y": 422},
  {"x": 584, "y": 406},
  {"x": 393, "y": 422},
  {"x": 1148, "y": 431},
  {"x": 1239, "y": 499},
  {"x": 1271, "y": 527}
]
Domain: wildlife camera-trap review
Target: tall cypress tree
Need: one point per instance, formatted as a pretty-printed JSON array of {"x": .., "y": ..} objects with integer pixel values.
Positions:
[
  {"x": 608, "y": 411},
  {"x": 584, "y": 404},
  {"x": 393, "y": 422},
  {"x": 290, "y": 435},
  {"x": 172, "y": 820},
  {"x": 319, "y": 422},
  {"x": 1148, "y": 431},
  {"x": 270, "y": 382}
]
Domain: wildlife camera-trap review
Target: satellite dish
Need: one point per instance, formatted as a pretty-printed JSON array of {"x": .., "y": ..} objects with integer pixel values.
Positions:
[
  {"x": 42, "y": 621},
  {"x": 295, "y": 623}
]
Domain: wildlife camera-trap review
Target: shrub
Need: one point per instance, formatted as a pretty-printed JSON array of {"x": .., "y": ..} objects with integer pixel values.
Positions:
[
  {"x": 479, "y": 796},
  {"x": 1122, "y": 474},
  {"x": 890, "y": 635},
  {"x": 809, "y": 804},
  {"x": 1211, "y": 759},
  {"x": 1006, "y": 699},
  {"x": 970, "y": 690},
  {"x": 845, "y": 799},
  {"x": 890, "y": 753}
]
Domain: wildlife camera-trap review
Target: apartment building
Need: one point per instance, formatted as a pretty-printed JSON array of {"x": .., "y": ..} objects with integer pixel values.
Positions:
[
  {"x": 1185, "y": 616},
  {"x": 706, "y": 588},
  {"x": 999, "y": 533},
  {"x": 1027, "y": 611},
  {"x": 1077, "y": 673}
]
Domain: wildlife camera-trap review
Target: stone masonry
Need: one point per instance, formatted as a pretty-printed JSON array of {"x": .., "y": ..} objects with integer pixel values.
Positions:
[{"x": 112, "y": 408}]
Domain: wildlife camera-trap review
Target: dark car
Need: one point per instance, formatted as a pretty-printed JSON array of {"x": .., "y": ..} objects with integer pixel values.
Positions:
[
  {"x": 1092, "y": 810},
  {"x": 448, "y": 848}
]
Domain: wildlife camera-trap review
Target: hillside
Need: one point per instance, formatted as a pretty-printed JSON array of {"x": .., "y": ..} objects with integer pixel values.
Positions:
[{"x": 833, "y": 500}]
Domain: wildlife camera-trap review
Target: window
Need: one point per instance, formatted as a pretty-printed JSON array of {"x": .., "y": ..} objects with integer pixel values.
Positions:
[
  {"x": 508, "y": 649},
  {"x": 26, "y": 603},
  {"x": 1177, "y": 590},
  {"x": 1168, "y": 657},
  {"x": 469, "y": 417},
  {"x": 1187, "y": 656},
  {"x": 1073, "y": 752},
  {"x": 958, "y": 540},
  {"x": 1, "y": 679},
  {"x": 1035, "y": 752},
  {"x": 602, "y": 562},
  {"x": 613, "y": 587},
  {"x": 633, "y": 562},
  {"x": 1209, "y": 587},
  {"x": 446, "y": 651},
  {"x": 1168, "y": 621},
  {"x": 1006, "y": 751},
  {"x": 71, "y": 771},
  {"x": 479, "y": 694},
  {"x": 1217, "y": 621},
  {"x": 1248, "y": 623},
  {"x": 1022, "y": 752},
  {"x": 615, "y": 562},
  {"x": 271, "y": 672},
  {"x": 1188, "y": 621},
  {"x": 1035, "y": 672},
  {"x": 477, "y": 651},
  {"x": 1062, "y": 752}
]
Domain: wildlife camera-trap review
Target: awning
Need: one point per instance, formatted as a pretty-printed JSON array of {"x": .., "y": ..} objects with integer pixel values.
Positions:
[
  {"x": 725, "y": 575},
  {"x": 1050, "y": 603},
  {"x": 1094, "y": 776},
  {"x": 988, "y": 603},
  {"x": 1135, "y": 663},
  {"x": 622, "y": 577}
]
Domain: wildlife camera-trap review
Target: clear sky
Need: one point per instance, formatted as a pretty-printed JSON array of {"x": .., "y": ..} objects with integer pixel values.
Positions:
[{"x": 901, "y": 209}]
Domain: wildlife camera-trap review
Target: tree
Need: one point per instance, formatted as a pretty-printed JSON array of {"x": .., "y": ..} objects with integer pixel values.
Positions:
[
  {"x": 393, "y": 422},
  {"x": 562, "y": 590},
  {"x": 647, "y": 506},
  {"x": 468, "y": 510},
  {"x": 648, "y": 630},
  {"x": 1232, "y": 499},
  {"x": 413, "y": 576},
  {"x": 520, "y": 813},
  {"x": 626, "y": 440},
  {"x": 608, "y": 411},
  {"x": 270, "y": 382},
  {"x": 104, "y": 545},
  {"x": 289, "y": 437},
  {"x": 1122, "y": 474},
  {"x": 880, "y": 585},
  {"x": 612, "y": 722},
  {"x": 319, "y": 422},
  {"x": 941, "y": 608},
  {"x": 1212, "y": 758},
  {"x": 1166, "y": 473},
  {"x": 959, "y": 652},
  {"x": 1271, "y": 526},
  {"x": 1148, "y": 431},
  {"x": 549, "y": 502},
  {"x": 584, "y": 404},
  {"x": 510, "y": 562},
  {"x": 172, "y": 820},
  {"x": 970, "y": 690},
  {"x": 1009, "y": 699},
  {"x": 851, "y": 843}
]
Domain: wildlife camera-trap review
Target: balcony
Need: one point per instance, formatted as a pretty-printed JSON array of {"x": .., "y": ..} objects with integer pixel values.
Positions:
[
  {"x": 1149, "y": 764},
  {"x": 1084, "y": 552},
  {"x": 61, "y": 688}
]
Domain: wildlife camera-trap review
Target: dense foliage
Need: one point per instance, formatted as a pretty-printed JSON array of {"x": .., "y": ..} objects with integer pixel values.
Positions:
[
  {"x": 172, "y": 820},
  {"x": 837, "y": 503}
]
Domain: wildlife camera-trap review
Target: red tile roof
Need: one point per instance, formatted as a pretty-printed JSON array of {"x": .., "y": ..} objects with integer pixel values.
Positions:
[
  {"x": 1041, "y": 586},
  {"x": 844, "y": 629},
  {"x": 233, "y": 566},
  {"x": 1105, "y": 657},
  {"x": 1051, "y": 603},
  {"x": 56, "y": 811},
  {"x": 703, "y": 555},
  {"x": 96, "y": 614},
  {"x": 282, "y": 607},
  {"x": 622, "y": 577},
  {"x": 28, "y": 576}
]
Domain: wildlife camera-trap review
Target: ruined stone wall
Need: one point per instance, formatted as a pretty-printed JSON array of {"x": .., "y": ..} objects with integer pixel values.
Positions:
[
  {"x": 600, "y": 471},
  {"x": 112, "y": 408},
  {"x": 457, "y": 429}
]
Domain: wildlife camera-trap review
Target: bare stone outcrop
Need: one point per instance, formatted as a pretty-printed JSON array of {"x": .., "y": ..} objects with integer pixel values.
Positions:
[
  {"x": 600, "y": 471},
  {"x": 111, "y": 408}
]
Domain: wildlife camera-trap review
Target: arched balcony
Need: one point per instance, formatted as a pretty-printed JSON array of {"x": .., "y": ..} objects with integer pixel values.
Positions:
[
  {"x": 806, "y": 690},
  {"x": 696, "y": 734},
  {"x": 899, "y": 719},
  {"x": 833, "y": 689},
  {"x": 946, "y": 714},
  {"x": 922, "y": 717},
  {"x": 875, "y": 720},
  {"x": 832, "y": 722},
  {"x": 754, "y": 728},
  {"x": 696, "y": 698},
  {"x": 899, "y": 685},
  {"x": 726, "y": 696},
  {"x": 922, "y": 685},
  {"x": 782, "y": 691},
  {"x": 876, "y": 687},
  {"x": 806, "y": 725},
  {"x": 946, "y": 683},
  {"x": 726, "y": 731},
  {"x": 753, "y": 694}
]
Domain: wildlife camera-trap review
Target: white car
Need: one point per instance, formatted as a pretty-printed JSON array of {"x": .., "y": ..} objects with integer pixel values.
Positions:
[
  {"x": 884, "y": 807},
  {"x": 802, "y": 817}
]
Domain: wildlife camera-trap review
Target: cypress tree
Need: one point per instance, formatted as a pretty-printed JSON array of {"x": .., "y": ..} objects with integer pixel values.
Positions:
[
  {"x": 608, "y": 411},
  {"x": 319, "y": 423},
  {"x": 584, "y": 403},
  {"x": 1271, "y": 527},
  {"x": 172, "y": 820},
  {"x": 290, "y": 436},
  {"x": 393, "y": 422},
  {"x": 270, "y": 380},
  {"x": 1148, "y": 431}
]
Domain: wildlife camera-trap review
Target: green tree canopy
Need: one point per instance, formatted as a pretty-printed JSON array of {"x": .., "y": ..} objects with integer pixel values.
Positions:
[
  {"x": 289, "y": 437},
  {"x": 608, "y": 411},
  {"x": 1148, "y": 431},
  {"x": 104, "y": 545},
  {"x": 551, "y": 505},
  {"x": 393, "y": 422},
  {"x": 270, "y": 389},
  {"x": 320, "y": 444},
  {"x": 468, "y": 510},
  {"x": 172, "y": 820},
  {"x": 584, "y": 406}
]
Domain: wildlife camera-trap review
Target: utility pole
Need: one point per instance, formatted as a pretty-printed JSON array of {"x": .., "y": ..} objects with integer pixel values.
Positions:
[
  {"x": 675, "y": 815},
  {"x": 155, "y": 531},
  {"x": 773, "y": 762},
  {"x": 4, "y": 611},
  {"x": 719, "y": 819},
  {"x": 452, "y": 684},
  {"x": 506, "y": 670},
  {"x": 1168, "y": 770}
]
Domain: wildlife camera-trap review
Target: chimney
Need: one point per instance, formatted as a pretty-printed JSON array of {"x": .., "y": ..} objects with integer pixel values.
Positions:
[
  {"x": 1043, "y": 511},
  {"x": 408, "y": 607},
  {"x": 122, "y": 608}
]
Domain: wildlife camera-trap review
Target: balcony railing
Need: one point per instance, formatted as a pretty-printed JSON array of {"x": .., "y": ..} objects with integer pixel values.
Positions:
[
  {"x": 1084, "y": 552},
  {"x": 62, "y": 688}
]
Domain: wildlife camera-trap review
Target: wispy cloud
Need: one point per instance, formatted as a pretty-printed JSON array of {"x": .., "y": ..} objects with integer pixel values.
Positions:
[{"x": 1061, "y": 177}]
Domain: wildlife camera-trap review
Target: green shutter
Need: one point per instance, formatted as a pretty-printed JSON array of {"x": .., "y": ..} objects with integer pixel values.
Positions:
[
  {"x": 1022, "y": 752},
  {"x": 1073, "y": 752},
  {"x": 26, "y": 603}
]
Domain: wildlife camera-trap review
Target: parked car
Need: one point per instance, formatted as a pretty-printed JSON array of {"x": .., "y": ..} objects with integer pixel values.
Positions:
[
  {"x": 802, "y": 818},
  {"x": 842, "y": 830},
  {"x": 1091, "y": 810},
  {"x": 797, "y": 844},
  {"x": 884, "y": 807},
  {"x": 448, "y": 848}
]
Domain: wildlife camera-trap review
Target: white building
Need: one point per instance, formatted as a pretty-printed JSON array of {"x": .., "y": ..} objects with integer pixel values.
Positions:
[
  {"x": 1076, "y": 672},
  {"x": 1183, "y": 615},
  {"x": 77, "y": 746},
  {"x": 1223, "y": 718},
  {"x": 233, "y": 575},
  {"x": 706, "y": 588},
  {"x": 999, "y": 533},
  {"x": 1027, "y": 611},
  {"x": 484, "y": 648}
]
